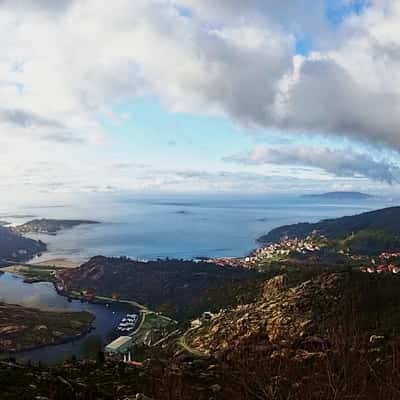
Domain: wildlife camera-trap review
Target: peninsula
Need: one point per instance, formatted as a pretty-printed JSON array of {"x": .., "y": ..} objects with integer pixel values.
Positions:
[
  {"x": 51, "y": 226},
  {"x": 15, "y": 247},
  {"x": 23, "y": 328}
]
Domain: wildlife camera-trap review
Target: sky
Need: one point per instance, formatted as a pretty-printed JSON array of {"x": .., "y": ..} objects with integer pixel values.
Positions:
[{"x": 206, "y": 96}]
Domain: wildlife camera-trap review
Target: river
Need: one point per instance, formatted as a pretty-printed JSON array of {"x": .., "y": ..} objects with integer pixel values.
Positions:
[{"x": 14, "y": 290}]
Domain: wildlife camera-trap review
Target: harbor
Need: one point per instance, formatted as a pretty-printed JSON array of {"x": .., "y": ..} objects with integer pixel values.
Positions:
[{"x": 108, "y": 316}]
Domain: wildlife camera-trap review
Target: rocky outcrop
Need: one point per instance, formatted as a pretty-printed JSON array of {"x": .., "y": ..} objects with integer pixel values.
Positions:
[{"x": 297, "y": 316}]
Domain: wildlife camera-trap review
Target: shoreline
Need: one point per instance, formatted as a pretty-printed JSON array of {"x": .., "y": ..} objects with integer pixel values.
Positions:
[{"x": 69, "y": 339}]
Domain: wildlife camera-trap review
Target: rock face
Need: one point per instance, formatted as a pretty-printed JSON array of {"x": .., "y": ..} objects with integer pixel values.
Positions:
[
  {"x": 23, "y": 328},
  {"x": 301, "y": 316}
]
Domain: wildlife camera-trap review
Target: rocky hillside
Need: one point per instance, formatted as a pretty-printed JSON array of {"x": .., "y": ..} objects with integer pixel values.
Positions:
[
  {"x": 301, "y": 316},
  {"x": 178, "y": 288},
  {"x": 90, "y": 380},
  {"x": 15, "y": 247},
  {"x": 307, "y": 337},
  {"x": 24, "y": 328}
]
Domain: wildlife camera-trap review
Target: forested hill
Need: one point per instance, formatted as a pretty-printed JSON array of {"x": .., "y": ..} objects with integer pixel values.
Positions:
[
  {"x": 378, "y": 230},
  {"x": 15, "y": 247},
  {"x": 177, "y": 287}
]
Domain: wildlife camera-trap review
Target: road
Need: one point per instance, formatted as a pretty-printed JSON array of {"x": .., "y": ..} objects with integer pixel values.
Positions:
[{"x": 183, "y": 343}]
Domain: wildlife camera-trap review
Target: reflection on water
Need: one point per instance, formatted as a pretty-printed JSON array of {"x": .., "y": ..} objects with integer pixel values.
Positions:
[{"x": 43, "y": 295}]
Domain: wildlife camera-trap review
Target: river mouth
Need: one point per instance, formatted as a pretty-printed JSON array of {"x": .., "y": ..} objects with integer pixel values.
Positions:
[{"x": 14, "y": 290}]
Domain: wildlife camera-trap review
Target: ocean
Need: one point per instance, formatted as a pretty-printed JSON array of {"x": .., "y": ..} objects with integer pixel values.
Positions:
[{"x": 177, "y": 226}]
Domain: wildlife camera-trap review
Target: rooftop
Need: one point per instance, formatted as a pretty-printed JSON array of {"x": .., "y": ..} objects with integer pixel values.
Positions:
[{"x": 118, "y": 343}]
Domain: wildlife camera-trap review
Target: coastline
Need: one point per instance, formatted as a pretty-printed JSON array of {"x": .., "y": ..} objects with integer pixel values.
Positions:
[{"x": 68, "y": 339}]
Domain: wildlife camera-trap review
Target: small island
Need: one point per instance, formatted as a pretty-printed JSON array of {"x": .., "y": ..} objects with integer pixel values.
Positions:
[
  {"x": 338, "y": 196},
  {"x": 23, "y": 328},
  {"x": 51, "y": 226}
]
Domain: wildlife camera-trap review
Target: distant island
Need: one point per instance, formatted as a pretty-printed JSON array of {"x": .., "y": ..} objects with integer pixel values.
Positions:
[
  {"x": 338, "y": 196},
  {"x": 23, "y": 328},
  {"x": 50, "y": 226}
]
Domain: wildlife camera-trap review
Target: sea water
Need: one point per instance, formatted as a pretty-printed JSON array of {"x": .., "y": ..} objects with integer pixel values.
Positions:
[{"x": 178, "y": 226}]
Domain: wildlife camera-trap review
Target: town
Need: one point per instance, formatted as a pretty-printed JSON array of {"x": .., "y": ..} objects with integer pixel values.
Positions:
[{"x": 278, "y": 251}]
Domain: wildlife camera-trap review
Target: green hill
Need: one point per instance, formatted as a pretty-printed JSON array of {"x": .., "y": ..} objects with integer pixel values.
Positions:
[{"x": 369, "y": 233}]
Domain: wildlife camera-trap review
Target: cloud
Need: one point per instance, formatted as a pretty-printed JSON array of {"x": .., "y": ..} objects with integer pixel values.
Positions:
[
  {"x": 207, "y": 61},
  {"x": 26, "y": 119},
  {"x": 65, "y": 63},
  {"x": 341, "y": 163},
  {"x": 48, "y": 6},
  {"x": 43, "y": 128},
  {"x": 295, "y": 14}
]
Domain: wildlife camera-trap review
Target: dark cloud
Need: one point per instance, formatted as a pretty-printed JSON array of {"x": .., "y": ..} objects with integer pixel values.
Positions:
[
  {"x": 45, "y": 128},
  {"x": 342, "y": 163},
  {"x": 52, "y": 6},
  {"x": 26, "y": 119},
  {"x": 326, "y": 98}
]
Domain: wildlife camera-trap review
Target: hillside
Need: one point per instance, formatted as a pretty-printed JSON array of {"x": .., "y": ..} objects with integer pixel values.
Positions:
[
  {"x": 292, "y": 314},
  {"x": 176, "y": 287},
  {"x": 25, "y": 328},
  {"x": 335, "y": 335},
  {"x": 50, "y": 226},
  {"x": 309, "y": 336},
  {"x": 370, "y": 232},
  {"x": 15, "y": 247}
]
